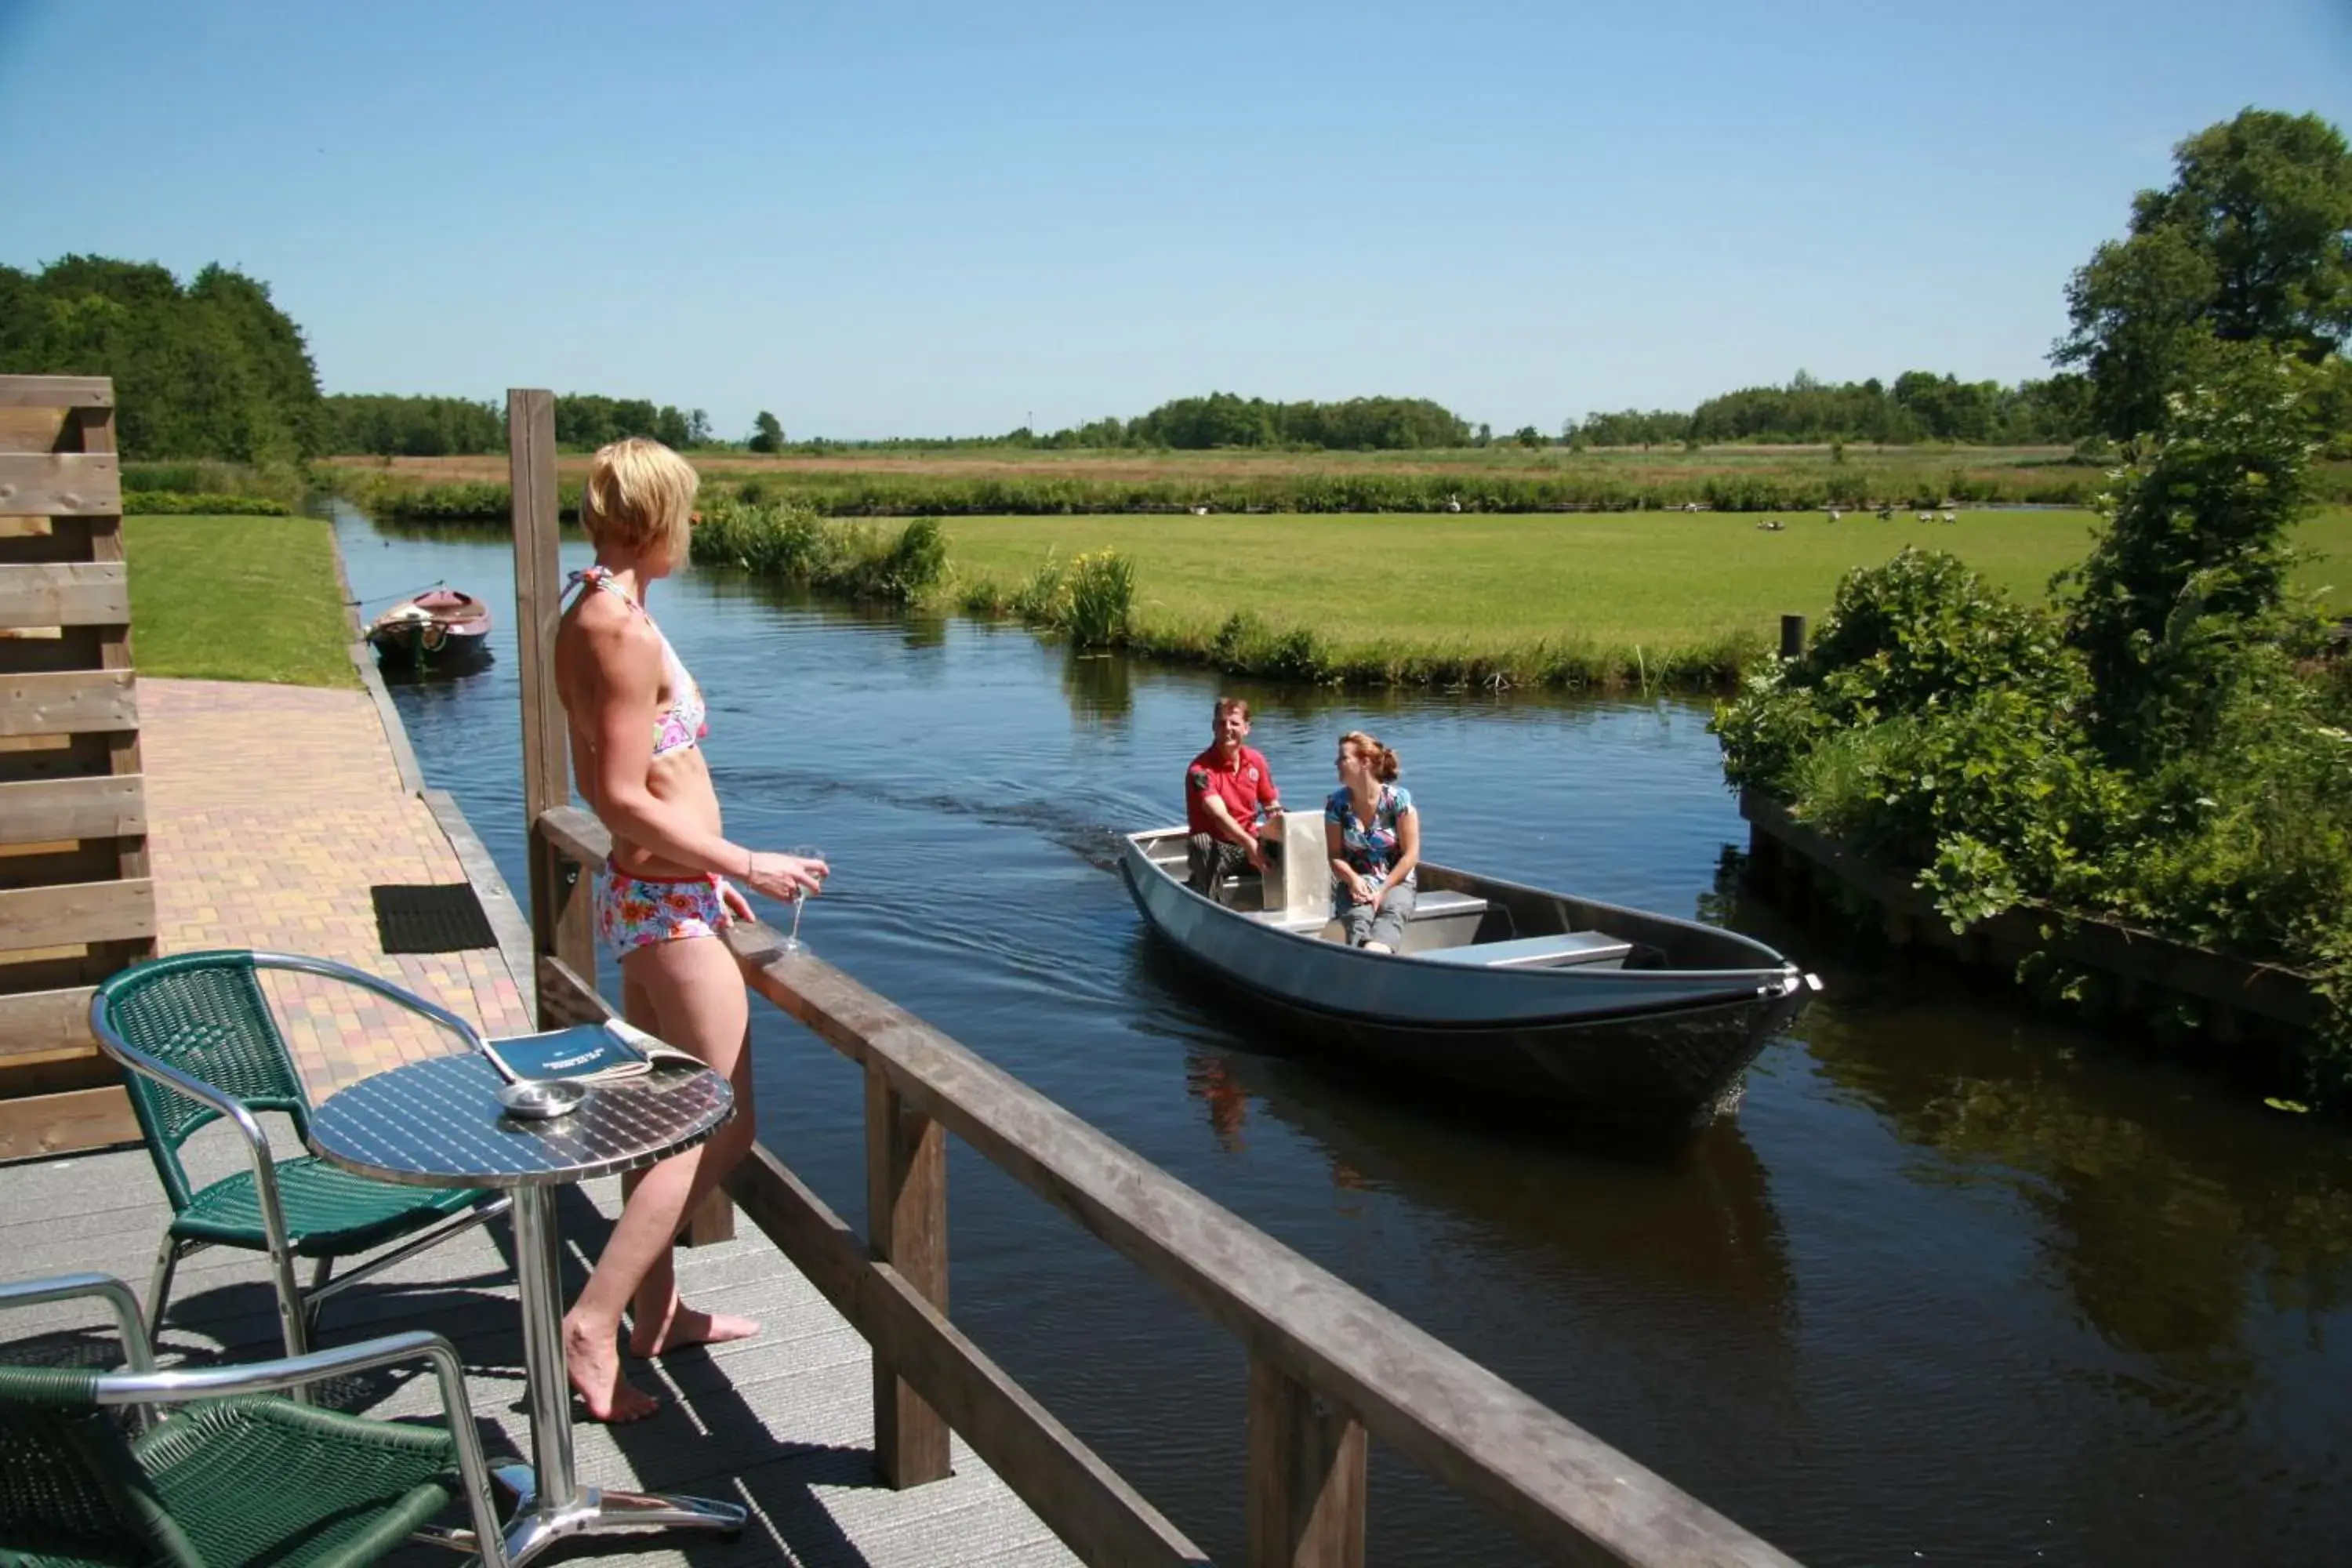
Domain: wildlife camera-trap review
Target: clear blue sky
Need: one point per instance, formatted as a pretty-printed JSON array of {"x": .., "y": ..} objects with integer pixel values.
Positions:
[{"x": 930, "y": 218}]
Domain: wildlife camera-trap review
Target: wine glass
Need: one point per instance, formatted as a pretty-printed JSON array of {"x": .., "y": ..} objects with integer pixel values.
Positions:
[{"x": 793, "y": 942}]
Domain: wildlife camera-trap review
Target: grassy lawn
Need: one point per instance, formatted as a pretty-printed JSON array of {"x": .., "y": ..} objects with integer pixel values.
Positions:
[
  {"x": 237, "y": 598},
  {"x": 1483, "y": 584}
]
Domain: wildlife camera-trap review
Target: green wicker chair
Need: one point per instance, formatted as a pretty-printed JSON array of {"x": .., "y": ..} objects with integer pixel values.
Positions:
[
  {"x": 196, "y": 1034},
  {"x": 239, "y": 1476}
]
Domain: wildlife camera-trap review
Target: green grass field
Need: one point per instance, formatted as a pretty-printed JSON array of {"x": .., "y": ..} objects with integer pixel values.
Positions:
[
  {"x": 237, "y": 598},
  {"x": 1494, "y": 584}
]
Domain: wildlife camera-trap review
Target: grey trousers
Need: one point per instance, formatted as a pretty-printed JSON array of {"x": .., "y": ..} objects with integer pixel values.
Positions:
[{"x": 1363, "y": 925}]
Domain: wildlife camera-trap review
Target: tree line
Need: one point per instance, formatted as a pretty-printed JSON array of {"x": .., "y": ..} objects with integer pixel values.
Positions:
[
  {"x": 214, "y": 369},
  {"x": 211, "y": 369},
  {"x": 382, "y": 424},
  {"x": 1920, "y": 405}
]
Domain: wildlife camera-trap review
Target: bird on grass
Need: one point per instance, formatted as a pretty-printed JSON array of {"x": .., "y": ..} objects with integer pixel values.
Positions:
[
  {"x": 1951, "y": 517},
  {"x": 1835, "y": 514}
]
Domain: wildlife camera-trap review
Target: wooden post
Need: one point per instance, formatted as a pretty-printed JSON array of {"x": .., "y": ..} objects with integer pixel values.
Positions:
[
  {"x": 906, "y": 1228},
  {"x": 1793, "y": 636},
  {"x": 1306, "y": 1507},
  {"x": 559, "y": 924}
]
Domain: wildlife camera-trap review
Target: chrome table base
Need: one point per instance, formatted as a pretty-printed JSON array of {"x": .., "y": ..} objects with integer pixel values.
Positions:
[
  {"x": 537, "y": 1526},
  {"x": 551, "y": 1504}
]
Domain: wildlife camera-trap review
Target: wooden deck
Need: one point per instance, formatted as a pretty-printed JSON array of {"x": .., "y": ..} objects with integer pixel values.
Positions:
[{"x": 782, "y": 1424}]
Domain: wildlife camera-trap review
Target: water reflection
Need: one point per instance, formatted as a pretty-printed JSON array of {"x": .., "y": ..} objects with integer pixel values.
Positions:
[
  {"x": 1696, "y": 1217},
  {"x": 1099, "y": 686},
  {"x": 405, "y": 672},
  {"x": 2121, "y": 1162}
]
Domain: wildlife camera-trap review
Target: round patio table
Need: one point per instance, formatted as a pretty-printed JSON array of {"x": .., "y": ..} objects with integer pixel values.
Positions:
[{"x": 438, "y": 1123}]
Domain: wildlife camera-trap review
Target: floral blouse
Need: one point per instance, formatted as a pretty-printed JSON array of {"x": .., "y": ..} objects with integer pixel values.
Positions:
[{"x": 1370, "y": 849}]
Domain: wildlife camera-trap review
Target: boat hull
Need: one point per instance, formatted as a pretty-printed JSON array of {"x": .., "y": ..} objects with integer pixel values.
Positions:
[
  {"x": 1655, "y": 1044},
  {"x": 415, "y": 646}
]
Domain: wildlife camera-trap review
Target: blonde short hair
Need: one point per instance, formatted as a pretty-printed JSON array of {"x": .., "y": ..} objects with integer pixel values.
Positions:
[{"x": 639, "y": 495}]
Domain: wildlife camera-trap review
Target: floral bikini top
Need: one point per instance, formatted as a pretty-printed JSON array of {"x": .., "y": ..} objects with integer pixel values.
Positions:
[{"x": 685, "y": 721}]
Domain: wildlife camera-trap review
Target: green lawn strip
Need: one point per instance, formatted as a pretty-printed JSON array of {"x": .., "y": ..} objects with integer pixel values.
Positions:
[
  {"x": 237, "y": 598},
  {"x": 1496, "y": 584}
]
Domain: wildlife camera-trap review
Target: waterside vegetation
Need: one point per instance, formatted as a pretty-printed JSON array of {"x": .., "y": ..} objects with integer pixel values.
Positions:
[{"x": 2168, "y": 745}]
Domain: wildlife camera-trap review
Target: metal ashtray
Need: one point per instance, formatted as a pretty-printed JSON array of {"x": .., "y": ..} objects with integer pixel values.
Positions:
[{"x": 541, "y": 1099}]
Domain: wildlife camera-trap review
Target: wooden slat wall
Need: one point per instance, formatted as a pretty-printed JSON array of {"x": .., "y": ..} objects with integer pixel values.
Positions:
[{"x": 76, "y": 901}]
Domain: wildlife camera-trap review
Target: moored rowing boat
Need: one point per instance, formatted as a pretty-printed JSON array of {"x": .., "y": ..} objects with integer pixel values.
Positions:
[{"x": 438, "y": 629}]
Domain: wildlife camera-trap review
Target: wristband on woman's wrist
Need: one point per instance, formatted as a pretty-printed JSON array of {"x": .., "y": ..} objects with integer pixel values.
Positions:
[{"x": 749, "y": 856}]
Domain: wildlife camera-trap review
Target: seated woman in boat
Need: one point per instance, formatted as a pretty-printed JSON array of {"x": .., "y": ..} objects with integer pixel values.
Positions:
[{"x": 1373, "y": 836}]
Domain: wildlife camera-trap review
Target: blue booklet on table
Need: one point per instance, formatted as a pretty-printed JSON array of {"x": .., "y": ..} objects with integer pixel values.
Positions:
[{"x": 587, "y": 1053}]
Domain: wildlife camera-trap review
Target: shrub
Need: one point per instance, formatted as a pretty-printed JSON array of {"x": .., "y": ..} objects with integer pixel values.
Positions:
[
  {"x": 1100, "y": 599},
  {"x": 857, "y": 559}
]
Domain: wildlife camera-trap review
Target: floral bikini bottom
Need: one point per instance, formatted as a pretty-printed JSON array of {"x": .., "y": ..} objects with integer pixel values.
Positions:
[{"x": 638, "y": 911}]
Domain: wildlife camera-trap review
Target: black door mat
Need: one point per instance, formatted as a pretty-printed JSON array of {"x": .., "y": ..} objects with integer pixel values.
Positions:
[{"x": 434, "y": 917}]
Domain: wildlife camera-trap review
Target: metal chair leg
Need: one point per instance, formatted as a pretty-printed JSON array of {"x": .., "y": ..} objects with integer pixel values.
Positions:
[
  {"x": 291, "y": 1317},
  {"x": 311, "y": 1304},
  {"x": 159, "y": 1286}
]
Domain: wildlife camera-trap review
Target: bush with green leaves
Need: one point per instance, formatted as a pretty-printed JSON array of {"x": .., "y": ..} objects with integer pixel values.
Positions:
[
  {"x": 2191, "y": 570},
  {"x": 2171, "y": 748},
  {"x": 859, "y": 560}
]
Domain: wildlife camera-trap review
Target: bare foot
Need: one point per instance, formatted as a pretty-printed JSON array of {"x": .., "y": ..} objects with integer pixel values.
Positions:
[
  {"x": 687, "y": 1327},
  {"x": 593, "y": 1362}
]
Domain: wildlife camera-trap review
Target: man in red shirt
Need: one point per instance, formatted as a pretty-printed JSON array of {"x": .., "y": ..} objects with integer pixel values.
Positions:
[{"x": 1226, "y": 788}]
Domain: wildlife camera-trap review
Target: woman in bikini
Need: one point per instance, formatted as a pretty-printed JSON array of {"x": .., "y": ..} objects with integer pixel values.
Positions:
[{"x": 635, "y": 719}]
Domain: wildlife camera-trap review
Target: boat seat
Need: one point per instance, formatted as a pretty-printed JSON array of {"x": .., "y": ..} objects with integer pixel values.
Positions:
[
  {"x": 1558, "y": 951},
  {"x": 1443, "y": 903}
]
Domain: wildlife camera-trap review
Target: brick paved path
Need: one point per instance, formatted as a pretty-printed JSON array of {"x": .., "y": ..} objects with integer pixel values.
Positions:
[{"x": 271, "y": 811}]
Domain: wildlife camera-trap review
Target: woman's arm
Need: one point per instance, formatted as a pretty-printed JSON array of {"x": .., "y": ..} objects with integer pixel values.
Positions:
[
  {"x": 1408, "y": 851},
  {"x": 1335, "y": 845},
  {"x": 621, "y": 689}
]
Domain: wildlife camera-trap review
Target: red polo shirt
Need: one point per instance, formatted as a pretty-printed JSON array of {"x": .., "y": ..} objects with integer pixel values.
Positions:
[{"x": 1248, "y": 785}]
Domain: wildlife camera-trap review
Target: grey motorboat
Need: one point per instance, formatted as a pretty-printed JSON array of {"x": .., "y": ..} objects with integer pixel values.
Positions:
[{"x": 1497, "y": 987}]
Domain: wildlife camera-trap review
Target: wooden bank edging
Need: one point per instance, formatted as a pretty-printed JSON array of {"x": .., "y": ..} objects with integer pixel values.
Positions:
[{"x": 2135, "y": 960}]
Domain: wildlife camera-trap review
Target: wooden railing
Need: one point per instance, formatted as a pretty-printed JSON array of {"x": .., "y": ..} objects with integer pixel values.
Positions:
[
  {"x": 1329, "y": 1368},
  {"x": 1328, "y": 1365}
]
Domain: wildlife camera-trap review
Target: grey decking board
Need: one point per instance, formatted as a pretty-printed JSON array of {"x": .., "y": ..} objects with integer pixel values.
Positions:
[{"x": 782, "y": 1421}]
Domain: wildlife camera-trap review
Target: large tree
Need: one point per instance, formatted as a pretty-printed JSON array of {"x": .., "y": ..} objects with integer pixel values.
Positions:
[
  {"x": 213, "y": 370},
  {"x": 2250, "y": 243}
]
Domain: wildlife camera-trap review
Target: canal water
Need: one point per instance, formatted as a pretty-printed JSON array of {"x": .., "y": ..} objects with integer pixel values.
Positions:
[{"x": 1956, "y": 1287}]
